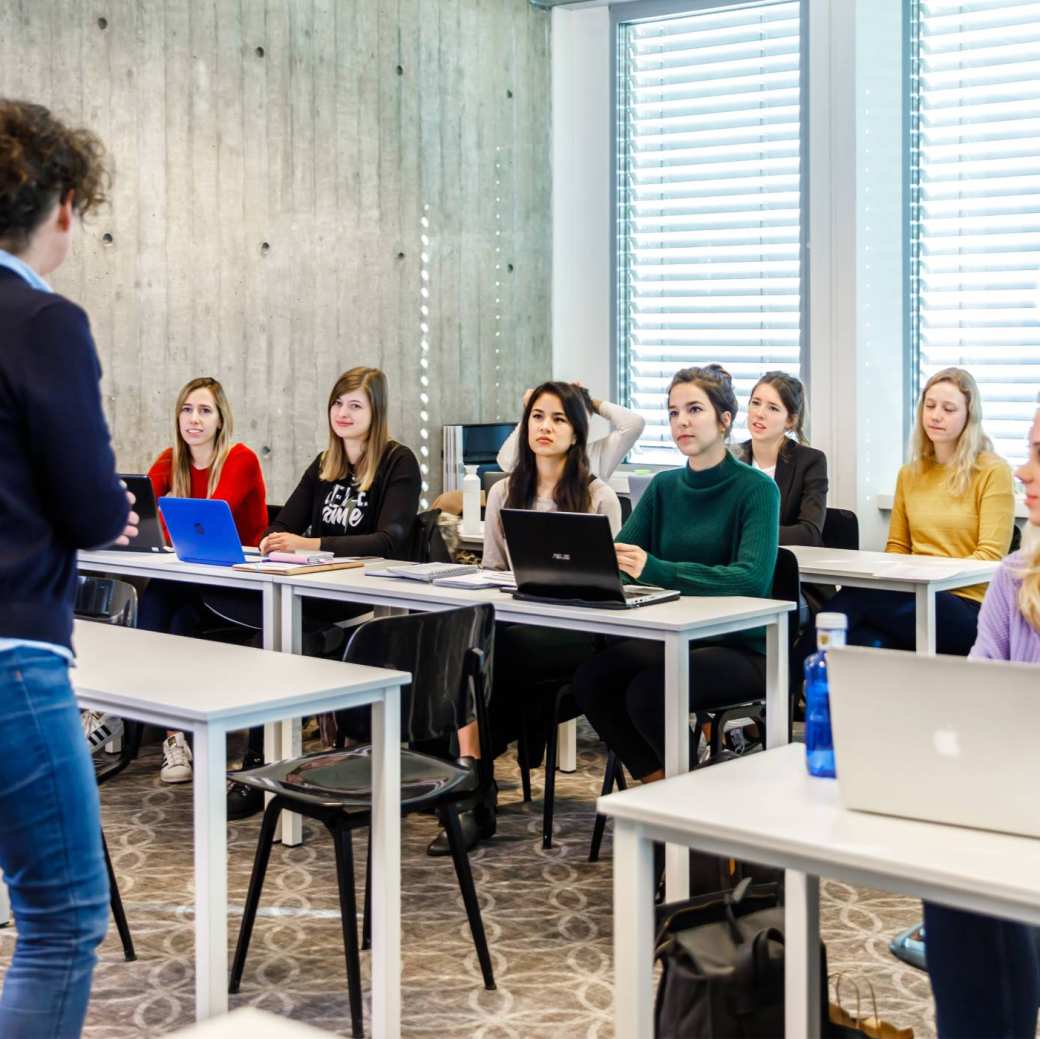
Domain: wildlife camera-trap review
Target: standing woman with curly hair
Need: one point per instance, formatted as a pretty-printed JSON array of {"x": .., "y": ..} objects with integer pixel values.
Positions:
[{"x": 59, "y": 493}]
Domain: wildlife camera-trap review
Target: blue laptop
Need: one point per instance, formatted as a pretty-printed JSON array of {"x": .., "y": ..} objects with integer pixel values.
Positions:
[{"x": 202, "y": 530}]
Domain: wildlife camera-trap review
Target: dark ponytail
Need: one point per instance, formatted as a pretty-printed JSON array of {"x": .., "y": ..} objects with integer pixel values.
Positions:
[{"x": 717, "y": 385}]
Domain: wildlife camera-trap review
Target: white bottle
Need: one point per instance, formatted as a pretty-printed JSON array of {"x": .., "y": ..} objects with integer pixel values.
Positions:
[{"x": 471, "y": 502}]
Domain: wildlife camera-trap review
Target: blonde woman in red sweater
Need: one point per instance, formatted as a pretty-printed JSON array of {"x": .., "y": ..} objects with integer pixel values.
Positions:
[{"x": 203, "y": 462}]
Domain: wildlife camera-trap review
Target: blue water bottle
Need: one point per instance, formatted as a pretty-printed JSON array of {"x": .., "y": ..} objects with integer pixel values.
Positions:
[{"x": 819, "y": 744}]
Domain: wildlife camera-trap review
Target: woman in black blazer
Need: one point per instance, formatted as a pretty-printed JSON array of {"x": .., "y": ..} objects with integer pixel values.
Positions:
[{"x": 775, "y": 412}]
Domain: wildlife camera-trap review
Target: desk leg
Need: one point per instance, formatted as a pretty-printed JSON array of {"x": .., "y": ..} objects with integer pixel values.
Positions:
[
  {"x": 271, "y": 628},
  {"x": 5, "y": 904},
  {"x": 288, "y": 740},
  {"x": 385, "y": 849},
  {"x": 925, "y": 619},
  {"x": 676, "y": 751},
  {"x": 802, "y": 994},
  {"x": 567, "y": 746},
  {"x": 778, "y": 702},
  {"x": 211, "y": 903},
  {"x": 633, "y": 932}
]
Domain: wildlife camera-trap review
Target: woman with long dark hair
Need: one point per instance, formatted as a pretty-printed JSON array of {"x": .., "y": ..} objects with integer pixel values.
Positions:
[{"x": 551, "y": 475}]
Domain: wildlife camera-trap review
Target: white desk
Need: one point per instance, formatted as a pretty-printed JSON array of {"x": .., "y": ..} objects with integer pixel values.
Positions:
[
  {"x": 675, "y": 624},
  {"x": 768, "y": 809},
  {"x": 930, "y": 574},
  {"x": 165, "y": 566},
  {"x": 210, "y": 689}
]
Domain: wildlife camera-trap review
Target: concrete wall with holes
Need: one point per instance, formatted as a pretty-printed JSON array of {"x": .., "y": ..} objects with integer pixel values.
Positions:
[{"x": 302, "y": 186}]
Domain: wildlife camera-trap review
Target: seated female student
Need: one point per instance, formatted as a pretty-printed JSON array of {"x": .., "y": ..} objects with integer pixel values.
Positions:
[
  {"x": 985, "y": 972},
  {"x": 203, "y": 462},
  {"x": 551, "y": 474},
  {"x": 776, "y": 421},
  {"x": 360, "y": 496},
  {"x": 708, "y": 528},
  {"x": 954, "y": 499},
  {"x": 605, "y": 453}
]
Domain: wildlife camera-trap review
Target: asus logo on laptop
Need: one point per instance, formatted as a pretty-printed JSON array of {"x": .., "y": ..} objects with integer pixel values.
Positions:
[{"x": 562, "y": 557}]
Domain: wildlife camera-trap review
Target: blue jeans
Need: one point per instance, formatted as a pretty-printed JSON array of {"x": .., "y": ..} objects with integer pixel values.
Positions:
[
  {"x": 985, "y": 974},
  {"x": 50, "y": 849}
]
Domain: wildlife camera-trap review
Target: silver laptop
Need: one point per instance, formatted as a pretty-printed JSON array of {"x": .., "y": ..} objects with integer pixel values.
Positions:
[{"x": 942, "y": 739}]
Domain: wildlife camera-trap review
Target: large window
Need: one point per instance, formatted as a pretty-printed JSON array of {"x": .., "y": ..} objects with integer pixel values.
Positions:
[
  {"x": 974, "y": 200},
  {"x": 710, "y": 203}
]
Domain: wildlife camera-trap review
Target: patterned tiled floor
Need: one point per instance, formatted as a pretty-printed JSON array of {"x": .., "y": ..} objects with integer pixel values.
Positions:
[{"x": 547, "y": 914}]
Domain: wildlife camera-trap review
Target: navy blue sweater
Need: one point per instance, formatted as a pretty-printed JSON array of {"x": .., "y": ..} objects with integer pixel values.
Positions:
[{"x": 58, "y": 485}]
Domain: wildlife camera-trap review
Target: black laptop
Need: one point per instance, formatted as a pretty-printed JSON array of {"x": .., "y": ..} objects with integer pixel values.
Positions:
[
  {"x": 149, "y": 530},
  {"x": 568, "y": 558}
]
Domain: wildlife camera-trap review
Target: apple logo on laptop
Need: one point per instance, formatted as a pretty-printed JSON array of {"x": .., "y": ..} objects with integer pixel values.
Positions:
[
  {"x": 947, "y": 743},
  {"x": 199, "y": 528}
]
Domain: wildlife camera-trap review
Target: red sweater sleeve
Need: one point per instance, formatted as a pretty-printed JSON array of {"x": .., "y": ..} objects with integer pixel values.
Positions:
[
  {"x": 161, "y": 473},
  {"x": 242, "y": 487}
]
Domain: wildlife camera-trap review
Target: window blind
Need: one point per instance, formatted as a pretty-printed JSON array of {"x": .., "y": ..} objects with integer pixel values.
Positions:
[
  {"x": 974, "y": 231},
  {"x": 709, "y": 222}
]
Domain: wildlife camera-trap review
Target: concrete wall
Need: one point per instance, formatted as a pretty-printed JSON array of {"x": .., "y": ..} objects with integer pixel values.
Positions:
[{"x": 302, "y": 186}]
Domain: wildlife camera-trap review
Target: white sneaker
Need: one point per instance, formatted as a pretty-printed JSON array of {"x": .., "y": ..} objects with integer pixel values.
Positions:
[
  {"x": 176, "y": 766},
  {"x": 99, "y": 729}
]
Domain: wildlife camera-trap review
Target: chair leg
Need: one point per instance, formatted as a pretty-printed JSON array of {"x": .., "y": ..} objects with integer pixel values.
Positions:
[
  {"x": 549, "y": 794},
  {"x": 256, "y": 884},
  {"x": 523, "y": 759},
  {"x": 366, "y": 919},
  {"x": 118, "y": 912},
  {"x": 348, "y": 916},
  {"x": 449, "y": 819},
  {"x": 611, "y": 774}
]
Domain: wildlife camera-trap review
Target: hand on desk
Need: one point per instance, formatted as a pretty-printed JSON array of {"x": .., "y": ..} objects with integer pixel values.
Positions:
[
  {"x": 631, "y": 559},
  {"x": 283, "y": 541}
]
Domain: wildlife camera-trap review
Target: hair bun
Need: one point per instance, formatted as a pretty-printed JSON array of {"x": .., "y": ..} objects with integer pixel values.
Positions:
[{"x": 718, "y": 371}]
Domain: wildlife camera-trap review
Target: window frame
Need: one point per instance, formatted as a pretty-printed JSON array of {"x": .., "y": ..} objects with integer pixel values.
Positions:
[{"x": 647, "y": 10}]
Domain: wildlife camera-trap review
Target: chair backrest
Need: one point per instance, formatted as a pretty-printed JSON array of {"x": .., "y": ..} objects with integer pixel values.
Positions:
[
  {"x": 787, "y": 586},
  {"x": 1016, "y": 539},
  {"x": 626, "y": 506},
  {"x": 490, "y": 477},
  {"x": 841, "y": 529},
  {"x": 427, "y": 544},
  {"x": 272, "y": 512},
  {"x": 107, "y": 600},
  {"x": 449, "y": 656}
]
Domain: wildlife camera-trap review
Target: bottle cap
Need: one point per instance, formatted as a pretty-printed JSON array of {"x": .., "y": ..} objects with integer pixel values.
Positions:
[{"x": 831, "y": 621}]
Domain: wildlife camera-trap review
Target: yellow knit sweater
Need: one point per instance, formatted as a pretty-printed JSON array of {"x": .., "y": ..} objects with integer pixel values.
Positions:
[{"x": 927, "y": 520}]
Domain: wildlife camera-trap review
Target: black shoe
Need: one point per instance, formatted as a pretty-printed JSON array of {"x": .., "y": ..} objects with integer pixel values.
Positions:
[
  {"x": 244, "y": 801},
  {"x": 478, "y": 819}
]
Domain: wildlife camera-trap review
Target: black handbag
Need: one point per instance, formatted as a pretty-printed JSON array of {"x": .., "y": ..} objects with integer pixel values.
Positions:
[{"x": 723, "y": 967}]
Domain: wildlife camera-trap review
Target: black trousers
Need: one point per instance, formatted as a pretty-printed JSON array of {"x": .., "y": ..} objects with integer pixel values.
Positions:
[
  {"x": 888, "y": 620},
  {"x": 621, "y": 692},
  {"x": 531, "y": 665}
]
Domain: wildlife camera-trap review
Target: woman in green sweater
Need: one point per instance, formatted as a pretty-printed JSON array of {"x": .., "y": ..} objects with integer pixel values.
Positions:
[{"x": 709, "y": 528}]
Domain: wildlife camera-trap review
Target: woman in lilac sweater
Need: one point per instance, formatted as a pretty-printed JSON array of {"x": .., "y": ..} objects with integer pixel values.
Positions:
[{"x": 986, "y": 972}]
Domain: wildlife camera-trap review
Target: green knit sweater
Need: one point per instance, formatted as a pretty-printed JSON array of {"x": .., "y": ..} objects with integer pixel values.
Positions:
[{"x": 714, "y": 532}]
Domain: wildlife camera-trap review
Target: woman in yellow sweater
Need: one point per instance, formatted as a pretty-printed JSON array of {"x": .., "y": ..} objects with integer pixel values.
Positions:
[{"x": 954, "y": 498}]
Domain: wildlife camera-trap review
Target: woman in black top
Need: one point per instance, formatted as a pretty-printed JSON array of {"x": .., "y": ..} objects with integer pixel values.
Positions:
[
  {"x": 776, "y": 417},
  {"x": 360, "y": 496}
]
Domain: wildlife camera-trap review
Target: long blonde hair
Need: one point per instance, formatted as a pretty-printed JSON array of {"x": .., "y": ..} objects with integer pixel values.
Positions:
[
  {"x": 181, "y": 467},
  {"x": 972, "y": 442},
  {"x": 334, "y": 462}
]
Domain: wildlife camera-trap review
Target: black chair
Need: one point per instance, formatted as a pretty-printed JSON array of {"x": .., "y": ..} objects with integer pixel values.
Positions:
[
  {"x": 1016, "y": 539},
  {"x": 427, "y": 544},
  {"x": 272, "y": 512},
  {"x": 787, "y": 587},
  {"x": 489, "y": 478},
  {"x": 448, "y": 654},
  {"x": 626, "y": 506},
  {"x": 841, "y": 529},
  {"x": 108, "y": 601}
]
